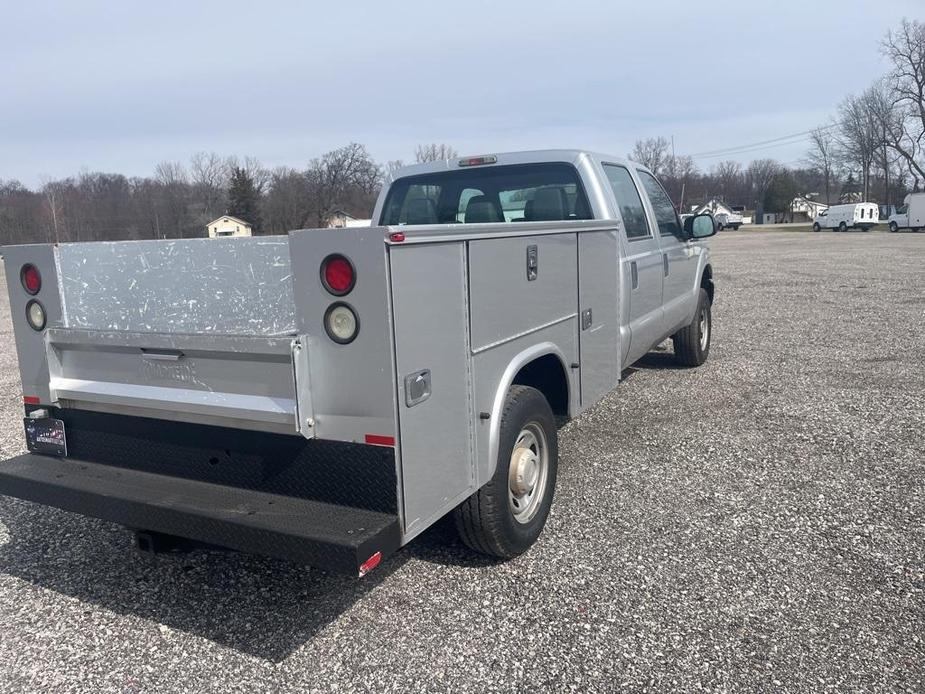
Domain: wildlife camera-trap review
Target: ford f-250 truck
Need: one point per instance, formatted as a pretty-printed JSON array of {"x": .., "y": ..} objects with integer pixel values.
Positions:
[{"x": 327, "y": 395}]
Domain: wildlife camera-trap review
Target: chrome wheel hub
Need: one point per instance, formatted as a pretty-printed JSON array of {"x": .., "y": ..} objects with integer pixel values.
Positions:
[
  {"x": 527, "y": 473},
  {"x": 704, "y": 329}
]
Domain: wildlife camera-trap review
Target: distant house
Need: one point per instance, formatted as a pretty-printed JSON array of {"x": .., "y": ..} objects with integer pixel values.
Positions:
[
  {"x": 340, "y": 220},
  {"x": 806, "y": 208},
  {"x": 228, "y": 226}
]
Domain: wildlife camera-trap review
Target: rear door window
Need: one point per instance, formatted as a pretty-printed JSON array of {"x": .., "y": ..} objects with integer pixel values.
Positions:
[{"x": 628, "y": 200}]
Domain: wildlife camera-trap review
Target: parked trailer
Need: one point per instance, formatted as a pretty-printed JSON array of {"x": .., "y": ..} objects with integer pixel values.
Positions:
[
  {"x": 327, "y": 395},
  {"x": 911, "y": 215},
  {"x": 861, "y": 215}
]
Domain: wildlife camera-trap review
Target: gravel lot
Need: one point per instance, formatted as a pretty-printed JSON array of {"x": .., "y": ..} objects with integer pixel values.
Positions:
[{"x": 756, "y": 524}]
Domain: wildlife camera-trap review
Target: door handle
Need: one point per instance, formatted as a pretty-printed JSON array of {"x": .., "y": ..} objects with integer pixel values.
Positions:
[
  {"x": 665, "y": 263},
  {"x": 635, "y": 274},
  {"x": 173, "y": 355}
]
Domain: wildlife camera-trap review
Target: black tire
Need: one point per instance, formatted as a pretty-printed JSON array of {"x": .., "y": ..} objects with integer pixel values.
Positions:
[
  {"x": 842, "y": 227},
  {"x": 735, "y": 227},
  {"x": 894, "y": 227},
  {"x": 816, "y": 227},
  {"x": 486, "y": 521},
  {"x": 689, "y": 348},
  {"x": 720, "y": 227}
]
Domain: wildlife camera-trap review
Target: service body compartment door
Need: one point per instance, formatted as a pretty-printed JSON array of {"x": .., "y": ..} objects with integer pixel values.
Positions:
[
  {"x": 431, "y": 351},
  {"x": 599, "y": 311}
]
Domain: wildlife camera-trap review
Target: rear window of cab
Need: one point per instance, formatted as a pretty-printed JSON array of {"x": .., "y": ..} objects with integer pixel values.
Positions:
[{"x": 495, "y": 194}]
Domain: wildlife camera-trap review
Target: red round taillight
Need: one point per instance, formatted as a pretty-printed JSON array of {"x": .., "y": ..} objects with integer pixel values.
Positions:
[
  {"x": 337, "y": 275},
  {"x": 30, "y": 278}
]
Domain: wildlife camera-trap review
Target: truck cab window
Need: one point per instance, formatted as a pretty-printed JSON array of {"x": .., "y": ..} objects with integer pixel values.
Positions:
[
  {"x": 665, "y": 213},
  {"x": 628, "y": 200},
  {"x": 489, "y": 195}
]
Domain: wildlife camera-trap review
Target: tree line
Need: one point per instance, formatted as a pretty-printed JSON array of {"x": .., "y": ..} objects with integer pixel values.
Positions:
[
  {"x": 873, "y": 148},
  {"x": 178, "y": 200}
]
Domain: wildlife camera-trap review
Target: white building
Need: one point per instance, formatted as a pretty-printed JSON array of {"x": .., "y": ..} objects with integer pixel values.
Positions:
[
  {"x": 807, "y": 207},
  {"x": 227, "y": 225}
]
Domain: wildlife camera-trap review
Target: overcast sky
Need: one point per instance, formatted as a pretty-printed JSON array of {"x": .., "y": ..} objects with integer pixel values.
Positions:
[{"x": 119, "y": 86}]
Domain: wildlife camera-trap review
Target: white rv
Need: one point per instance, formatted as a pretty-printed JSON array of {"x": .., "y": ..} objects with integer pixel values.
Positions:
[
  {"x": 860, "y": 215},
  {"x": 911, "y": 215}
]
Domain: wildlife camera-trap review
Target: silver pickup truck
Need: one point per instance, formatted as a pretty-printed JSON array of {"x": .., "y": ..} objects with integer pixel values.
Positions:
[{"x": 327, "y": 395}]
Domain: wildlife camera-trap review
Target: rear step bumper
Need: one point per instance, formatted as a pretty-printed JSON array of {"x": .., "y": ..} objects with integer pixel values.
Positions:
[{"x": 328, "y": 536}]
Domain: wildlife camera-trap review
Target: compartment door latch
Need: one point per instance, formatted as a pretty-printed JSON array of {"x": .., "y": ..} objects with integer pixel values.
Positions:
[{"x": 417, "y": 387}]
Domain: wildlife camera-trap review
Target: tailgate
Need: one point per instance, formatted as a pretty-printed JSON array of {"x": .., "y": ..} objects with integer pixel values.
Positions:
[{"x": 244, "y": 381}]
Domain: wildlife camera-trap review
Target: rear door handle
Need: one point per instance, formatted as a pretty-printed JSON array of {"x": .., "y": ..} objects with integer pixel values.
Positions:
[
  {"x": 665, "y": 263},
  {"x": 635, "y": 274}
]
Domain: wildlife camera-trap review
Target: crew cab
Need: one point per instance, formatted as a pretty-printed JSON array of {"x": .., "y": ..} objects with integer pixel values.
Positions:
[{"x": 327, "y": 395}]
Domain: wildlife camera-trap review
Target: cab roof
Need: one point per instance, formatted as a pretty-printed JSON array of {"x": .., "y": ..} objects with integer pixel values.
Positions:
[{"x": 538, "y": 156}]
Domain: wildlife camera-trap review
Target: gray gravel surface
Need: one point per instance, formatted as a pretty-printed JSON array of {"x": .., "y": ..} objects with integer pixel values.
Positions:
[{"x": 757, "y": 524}]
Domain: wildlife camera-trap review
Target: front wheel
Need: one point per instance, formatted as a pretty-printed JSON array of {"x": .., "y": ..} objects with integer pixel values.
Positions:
[
  {"x": 720, "y": 227},
  {"x": 816, "y": 227},
  {"x": 735, "y": 227},
  {"x": 506, "y": 516},
  {"x": 894, "y": 227},
  {"x": 843, "y": 227},
  {"x": 692, "y": 343}
]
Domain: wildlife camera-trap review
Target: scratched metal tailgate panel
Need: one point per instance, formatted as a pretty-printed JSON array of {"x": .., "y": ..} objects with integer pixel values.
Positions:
[{"x": 237, "y": 286}]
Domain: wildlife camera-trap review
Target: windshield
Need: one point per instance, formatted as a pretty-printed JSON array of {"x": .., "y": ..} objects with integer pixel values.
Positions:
[{"x": 516, "y": 193}]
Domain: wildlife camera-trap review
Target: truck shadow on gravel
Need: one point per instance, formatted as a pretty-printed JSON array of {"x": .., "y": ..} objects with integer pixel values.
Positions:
[{"x": 262, "y": 607}]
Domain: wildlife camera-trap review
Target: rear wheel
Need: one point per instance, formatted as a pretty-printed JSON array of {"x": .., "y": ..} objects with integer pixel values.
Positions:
[
  {"x": 894, "y": 227},
  {"x": 842, "y": 226},
  {"x": 692, "y": 343},
  {"x": 506, "y": 516}
]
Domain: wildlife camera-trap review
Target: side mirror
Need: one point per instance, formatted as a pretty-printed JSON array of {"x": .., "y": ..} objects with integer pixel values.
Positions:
[{"x": 700, "y": 226}]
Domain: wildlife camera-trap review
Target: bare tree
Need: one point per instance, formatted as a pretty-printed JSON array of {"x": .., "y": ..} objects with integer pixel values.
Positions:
[
  {"x": 728, "y": 177},
  {"x": 759, "y": 175},
  {"x": 823, "y": 155},
  {"x": 343, "y": 177},
  {"x": 391, "y": 169},
  {"x": 210, "y": 178},
  {"x": 905, "y": 49},
  {"x": 170, "y": 172},
  {"x": 52, "y": 192},
  {"x": 253, "y": 168},
  {"x": 434, "y": 152},
  {"x": 860, "y": 136},
  {"x": 653, "y": 153},
  {"x": 288, "y": 201}
]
